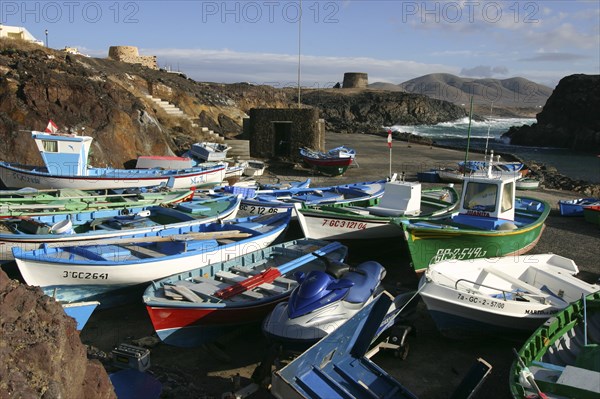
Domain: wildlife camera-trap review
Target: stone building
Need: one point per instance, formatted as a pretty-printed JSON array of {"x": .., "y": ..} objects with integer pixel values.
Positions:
[
  {"x": 355, "y": 80},
  {"x": 280, "y": 132},
  {"x": 131, "y": 55}
]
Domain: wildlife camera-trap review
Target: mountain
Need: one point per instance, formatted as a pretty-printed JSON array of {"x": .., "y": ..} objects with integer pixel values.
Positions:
[{"x": 510, "y": 97}]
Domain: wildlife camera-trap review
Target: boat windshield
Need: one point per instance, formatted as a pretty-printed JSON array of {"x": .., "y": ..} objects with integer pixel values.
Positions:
[{"x": 481, "y": 197}]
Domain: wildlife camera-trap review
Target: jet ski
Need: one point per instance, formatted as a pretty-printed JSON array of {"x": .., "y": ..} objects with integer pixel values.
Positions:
[{"x": 325, "y": 300}]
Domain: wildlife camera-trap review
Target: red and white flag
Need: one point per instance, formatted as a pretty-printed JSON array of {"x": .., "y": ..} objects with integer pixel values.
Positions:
[
  {"x": 51, "y": 128},
  {"x": 389, "y": 140}
]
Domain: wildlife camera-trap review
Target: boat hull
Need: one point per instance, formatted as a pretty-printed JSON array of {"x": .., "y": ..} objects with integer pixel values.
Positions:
[
  {"x": 591, "y": 214},
  {"x": 14, "y": 177},
  {"x": 316, "y": 225},
  {"x": 427, "y": 245}
]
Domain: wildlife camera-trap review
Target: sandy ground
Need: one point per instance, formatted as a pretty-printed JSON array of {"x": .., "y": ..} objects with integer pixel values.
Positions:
[{"x": 434, "y": 366}]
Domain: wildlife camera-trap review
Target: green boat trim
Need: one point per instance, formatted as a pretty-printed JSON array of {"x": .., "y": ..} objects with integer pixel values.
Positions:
[{"x": 573, "y": 336}]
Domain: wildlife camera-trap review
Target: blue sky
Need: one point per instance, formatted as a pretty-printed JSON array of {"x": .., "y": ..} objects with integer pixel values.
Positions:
[{"x": 392, "y": 41}]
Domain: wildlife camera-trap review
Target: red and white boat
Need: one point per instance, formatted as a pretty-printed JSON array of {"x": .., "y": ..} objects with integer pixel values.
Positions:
[{"x": 200, "y": 305}]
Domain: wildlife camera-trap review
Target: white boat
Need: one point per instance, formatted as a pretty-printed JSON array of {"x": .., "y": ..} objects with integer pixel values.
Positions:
[
  {"x": 527, "y": 183},
  {"x": 209, "y": 152},
  {"x": 500, "y": 295},
  {"x": 254, "y": 168},
  {"x": 66, "y": 166}
]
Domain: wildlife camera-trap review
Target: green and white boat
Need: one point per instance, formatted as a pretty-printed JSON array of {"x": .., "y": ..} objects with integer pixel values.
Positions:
[
  {"x": 29, "y": 202},
  {"x": 562, "y": 357},
  {"x": 491, "y": 222},
  {"x": 371, "y": 218}
]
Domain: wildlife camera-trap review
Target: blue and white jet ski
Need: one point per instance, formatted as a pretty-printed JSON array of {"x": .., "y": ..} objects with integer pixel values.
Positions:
[{"x": 325, "y": 300}]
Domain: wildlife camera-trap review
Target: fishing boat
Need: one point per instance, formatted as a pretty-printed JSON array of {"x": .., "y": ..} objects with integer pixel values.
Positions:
[
  {"x": 66, "y": 166},
  {"x": 30, "y": 233},
  {"x": 333, "y": 162},
  {"x": 282, "y": 200},
  {"x": 254, "y": 168},
  {"x": 511, "y": 294},
  {"x": 33, "y": 202},
  {"x": 80, "y": 311},
  {"x": 195, "y": 307},
  {"x": 366, "y": 219},
  {"x": 107, "y": 272},
  {"x": 561, "y": 359},
  {"x": 527, "y": 183},
  {"x": 574, "y": 207},
  {"x": 209, "y": 152},
  {"x": 491, "y": 222},
  {"x": 591, "y": 213}
]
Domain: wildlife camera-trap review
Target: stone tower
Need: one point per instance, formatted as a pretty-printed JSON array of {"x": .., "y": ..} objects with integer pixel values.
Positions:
[{"x": 355, "y": 80}]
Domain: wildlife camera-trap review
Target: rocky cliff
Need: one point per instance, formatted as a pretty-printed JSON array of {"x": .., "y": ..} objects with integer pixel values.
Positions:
[
  {"x": 570, "y": 118},
  {"x": 118, "y": 105},
  {"x": 42, "y": 355},
  {"x": 366, "y": 111}
]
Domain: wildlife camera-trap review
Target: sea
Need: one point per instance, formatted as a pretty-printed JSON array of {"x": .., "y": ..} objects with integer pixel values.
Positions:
[{"x": 487, "y": 134}]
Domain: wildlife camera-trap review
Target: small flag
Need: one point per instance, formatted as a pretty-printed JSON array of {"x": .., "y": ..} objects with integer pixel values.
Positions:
[
  {"x": 51, "y": 128},
  {"x": 389, "y": 140}
]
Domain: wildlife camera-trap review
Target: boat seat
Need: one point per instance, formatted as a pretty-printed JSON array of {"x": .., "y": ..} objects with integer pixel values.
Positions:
[
  {"x": 365, "y": 279},
  {"x": 194, "y": 209}
]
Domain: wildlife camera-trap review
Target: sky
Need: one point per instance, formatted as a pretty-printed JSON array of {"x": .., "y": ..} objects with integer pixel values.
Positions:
[{"x": 266, "y": 42}]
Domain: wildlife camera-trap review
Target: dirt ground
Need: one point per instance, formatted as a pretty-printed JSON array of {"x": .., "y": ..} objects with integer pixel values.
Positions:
[{"x": 434, "y": 366}]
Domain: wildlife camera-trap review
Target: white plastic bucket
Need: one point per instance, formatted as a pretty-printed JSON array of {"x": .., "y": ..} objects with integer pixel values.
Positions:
[{"x": 62, "y": 227}]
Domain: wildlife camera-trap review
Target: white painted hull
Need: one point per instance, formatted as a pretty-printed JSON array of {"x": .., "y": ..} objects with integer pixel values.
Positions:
[
  {"x": 265, "y": 209},
  {"x": 19, "y": 178},
  {"x": 319, "y": 227},
  {"x": 31, "y": 243},
  {"x": 45, "y": 274}
]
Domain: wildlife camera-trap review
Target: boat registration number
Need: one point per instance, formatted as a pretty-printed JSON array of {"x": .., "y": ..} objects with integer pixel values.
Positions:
[
  {"x": 85, "y": 275},
  {"x": 480, "y": 301},
  {"x": 458, "y": 253},
  {"x": 258, "y": 210},
  {"x": 344, "y": 224}
]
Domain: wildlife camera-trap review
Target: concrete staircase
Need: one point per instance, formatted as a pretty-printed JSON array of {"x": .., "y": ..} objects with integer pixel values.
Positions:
[{"x": 174, "y": 111}]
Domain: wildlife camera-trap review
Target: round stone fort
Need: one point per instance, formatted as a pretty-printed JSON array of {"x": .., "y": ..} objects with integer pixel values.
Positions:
[
  {"x": 122, "y": 52},
  {"x": 355, "y": 80}
]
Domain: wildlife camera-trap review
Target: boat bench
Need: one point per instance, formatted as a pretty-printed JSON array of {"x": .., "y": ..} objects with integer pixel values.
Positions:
[
  {"x": 112, "y": 253},
  {"x": 530, "y": 289},
  {"x": 206, "y": 288}
]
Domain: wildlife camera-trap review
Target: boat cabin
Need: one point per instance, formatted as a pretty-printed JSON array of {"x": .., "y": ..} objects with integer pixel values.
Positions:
[
  {"x": 489, "y": 196},
  {"x": 63, "y": 154}
]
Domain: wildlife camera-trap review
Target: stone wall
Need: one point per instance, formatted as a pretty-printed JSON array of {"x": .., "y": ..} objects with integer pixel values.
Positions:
[
  {"x": 355, "y": 80},
  {"x": 131, "y": 55},
  {"x": 280, "y": 132}
]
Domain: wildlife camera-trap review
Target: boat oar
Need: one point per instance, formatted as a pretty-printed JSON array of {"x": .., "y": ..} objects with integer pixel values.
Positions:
[
  {"x": 175, "y": 237},
  {"x": 528, "y": 376},
  {"x": 269, "y": 275}
]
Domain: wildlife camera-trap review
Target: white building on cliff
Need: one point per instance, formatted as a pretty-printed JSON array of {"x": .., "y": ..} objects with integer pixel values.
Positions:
[{"x": 18, "y": 32}]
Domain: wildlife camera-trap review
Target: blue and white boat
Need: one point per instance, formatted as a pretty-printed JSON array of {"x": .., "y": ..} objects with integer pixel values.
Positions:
[
  {"x": 94, "y": 272},
  {"x": 274, "y": 201},
  {"x": 80, "y": 228},
  {"x": 338, "y": 366},
  {"x": 66, "y": 166}
]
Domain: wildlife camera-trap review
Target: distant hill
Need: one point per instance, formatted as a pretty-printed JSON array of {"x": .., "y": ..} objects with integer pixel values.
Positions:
[{"x": 513, "y": 96}]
